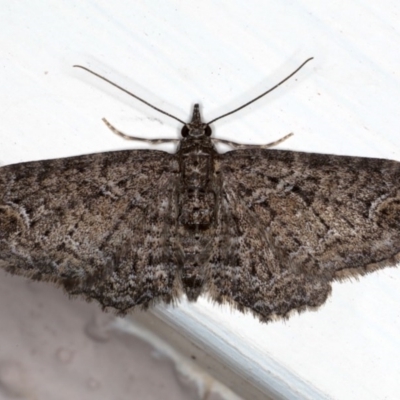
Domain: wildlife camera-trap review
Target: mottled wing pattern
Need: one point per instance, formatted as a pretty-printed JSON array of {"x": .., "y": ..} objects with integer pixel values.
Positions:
[
  {"x": 290, "y": 223},
  {"x": 96, "y": 224}
]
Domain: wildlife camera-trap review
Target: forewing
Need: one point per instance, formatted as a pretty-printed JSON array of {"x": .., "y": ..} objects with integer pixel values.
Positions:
[
  {"x": 293, "y": 222},
  {"x": 96, "y": 224}
]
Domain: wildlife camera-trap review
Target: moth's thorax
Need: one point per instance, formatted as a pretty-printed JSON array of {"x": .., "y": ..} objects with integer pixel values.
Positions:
[
  {"x": 189, "y": 143},
  {"x": 197, "y": 197}
]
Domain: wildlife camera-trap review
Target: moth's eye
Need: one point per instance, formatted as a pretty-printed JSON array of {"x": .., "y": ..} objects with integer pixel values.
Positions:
[
  {"x": 185, "y": 131},
  {"x": 208, "y": 131}
]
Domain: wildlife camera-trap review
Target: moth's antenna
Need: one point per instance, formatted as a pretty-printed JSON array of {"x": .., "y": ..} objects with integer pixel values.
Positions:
[
  {"x": 263, "y": 94},
  {"x": 131, "y": 94}
]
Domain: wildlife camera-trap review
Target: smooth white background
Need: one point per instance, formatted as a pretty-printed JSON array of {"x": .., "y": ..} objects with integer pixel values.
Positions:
[{"x": 222, "y": 54}]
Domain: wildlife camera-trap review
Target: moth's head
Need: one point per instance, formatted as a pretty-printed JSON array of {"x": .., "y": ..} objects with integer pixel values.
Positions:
[{"x": 196, "y": 129}]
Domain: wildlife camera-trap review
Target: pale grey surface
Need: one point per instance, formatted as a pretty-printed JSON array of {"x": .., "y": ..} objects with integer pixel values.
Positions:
[{"x": 54, "y": 348}]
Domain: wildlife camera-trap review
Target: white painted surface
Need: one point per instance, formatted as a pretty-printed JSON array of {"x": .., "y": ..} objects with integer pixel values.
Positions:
[{"x": 221, "y": 54}]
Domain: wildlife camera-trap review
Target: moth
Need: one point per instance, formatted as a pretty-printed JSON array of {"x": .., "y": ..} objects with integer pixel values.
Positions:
[{"x": 264, "y": 230}]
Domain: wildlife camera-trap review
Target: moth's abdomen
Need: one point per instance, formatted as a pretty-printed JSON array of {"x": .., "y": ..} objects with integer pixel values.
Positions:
[{"x": 197, "y": 208}]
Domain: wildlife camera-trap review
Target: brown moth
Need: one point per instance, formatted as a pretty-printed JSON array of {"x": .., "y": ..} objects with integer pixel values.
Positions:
[{"x": 264, "y": 230}]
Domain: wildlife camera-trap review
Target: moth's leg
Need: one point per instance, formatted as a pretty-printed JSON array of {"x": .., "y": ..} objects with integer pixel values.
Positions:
[
  {"x": 252, "y": 146},
  {"x": 127, "y": 137}
]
